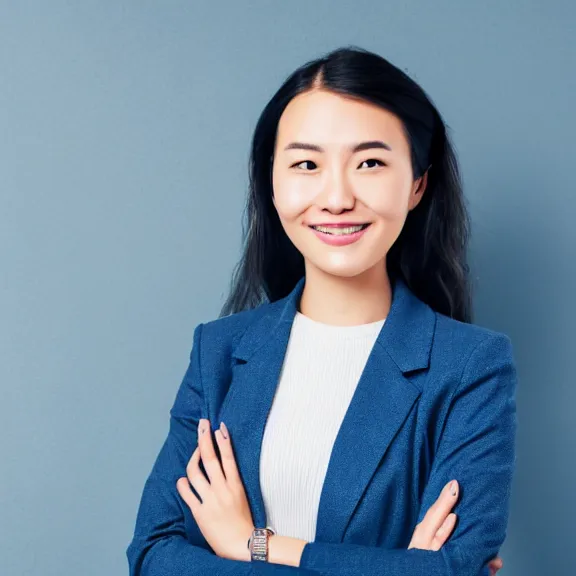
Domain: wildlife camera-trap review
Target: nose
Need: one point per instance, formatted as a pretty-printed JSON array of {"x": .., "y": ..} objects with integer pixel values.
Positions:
[{"x": 336, "y": 194}]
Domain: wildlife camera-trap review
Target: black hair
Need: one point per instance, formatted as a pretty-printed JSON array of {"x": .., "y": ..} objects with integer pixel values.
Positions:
[{"x": 430, "y": 254}]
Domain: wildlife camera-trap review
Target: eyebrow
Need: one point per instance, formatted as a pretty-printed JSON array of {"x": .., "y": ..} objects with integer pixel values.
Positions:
[{"x": 354, "y": 148}]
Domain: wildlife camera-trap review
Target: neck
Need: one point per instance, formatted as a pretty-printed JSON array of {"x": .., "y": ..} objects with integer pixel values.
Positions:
[{"x": 346, "y": 301}]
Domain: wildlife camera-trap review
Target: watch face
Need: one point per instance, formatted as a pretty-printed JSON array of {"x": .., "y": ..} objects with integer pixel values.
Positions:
[{"x": 260, "y": 544}]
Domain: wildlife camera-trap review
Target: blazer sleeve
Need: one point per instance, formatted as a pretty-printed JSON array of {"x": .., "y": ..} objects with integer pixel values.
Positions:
[
  {"x": 477, "y": 448},
  {"x": 159, "y": 546}
]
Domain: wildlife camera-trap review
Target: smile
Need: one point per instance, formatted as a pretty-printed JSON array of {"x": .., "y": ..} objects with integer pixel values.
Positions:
[{"x": 339, "y": 236}]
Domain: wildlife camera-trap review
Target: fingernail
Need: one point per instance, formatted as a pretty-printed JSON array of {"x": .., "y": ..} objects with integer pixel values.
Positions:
[
  {"x": 201, "y": 426},
  {"x": 453, "y": 488},
  {"x": 224, "y": 430}
]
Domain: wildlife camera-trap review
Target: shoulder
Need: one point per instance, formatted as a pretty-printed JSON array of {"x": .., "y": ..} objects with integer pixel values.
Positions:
[
  {"x": 470, "y": 348},
  {"x": 468, "y": 334},
  {"x": 222, "y": 334}
]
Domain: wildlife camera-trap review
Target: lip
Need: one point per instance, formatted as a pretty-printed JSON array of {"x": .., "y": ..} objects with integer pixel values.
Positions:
[
  {"x": 339, "y": 224},
  {"x": 339, "y": 240}
]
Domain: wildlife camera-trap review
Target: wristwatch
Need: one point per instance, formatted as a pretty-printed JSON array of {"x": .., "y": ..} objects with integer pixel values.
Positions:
[{"x": 258, "y": 543}]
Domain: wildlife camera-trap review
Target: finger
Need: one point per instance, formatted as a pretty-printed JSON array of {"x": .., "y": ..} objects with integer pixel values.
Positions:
[
  {"x": 438, "y": 512},
  {"x": 443, "y": 533},
  {"x": 187, "y": 495},
  {"x": 494, "y": 568},
  {"x": 196, "y": 476},
  {"x": 227, "y": 454},
  {"x": 208, "y": 454},
  {"x": 496, "y": 564}
]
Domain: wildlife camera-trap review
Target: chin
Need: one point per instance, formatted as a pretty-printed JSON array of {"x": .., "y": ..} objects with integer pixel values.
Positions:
[{"x": 341, "y": 269}]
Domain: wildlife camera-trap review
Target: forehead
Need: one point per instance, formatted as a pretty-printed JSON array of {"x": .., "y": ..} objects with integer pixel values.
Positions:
[{"x": 329, "y": 119}]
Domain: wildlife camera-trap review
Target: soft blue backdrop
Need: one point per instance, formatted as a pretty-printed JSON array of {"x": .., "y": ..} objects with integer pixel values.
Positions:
[{"x": 124, "y": 134}]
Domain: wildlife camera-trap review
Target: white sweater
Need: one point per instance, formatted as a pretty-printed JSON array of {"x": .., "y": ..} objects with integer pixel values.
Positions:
[{"x": 322, "y": 366}]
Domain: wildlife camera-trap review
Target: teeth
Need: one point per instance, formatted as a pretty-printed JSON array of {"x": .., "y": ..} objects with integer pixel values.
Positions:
[{"x": 339, "y": 231}]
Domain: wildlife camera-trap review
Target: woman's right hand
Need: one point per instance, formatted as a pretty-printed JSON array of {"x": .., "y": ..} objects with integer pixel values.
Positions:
[{"x": 438, "y": 523}]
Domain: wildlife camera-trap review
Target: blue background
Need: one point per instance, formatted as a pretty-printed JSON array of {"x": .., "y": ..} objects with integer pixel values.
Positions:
[{"x": 124, "y": 138}]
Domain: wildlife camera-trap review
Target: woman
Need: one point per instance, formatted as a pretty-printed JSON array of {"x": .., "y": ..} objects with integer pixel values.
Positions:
[{"x": 354, "y": 403}]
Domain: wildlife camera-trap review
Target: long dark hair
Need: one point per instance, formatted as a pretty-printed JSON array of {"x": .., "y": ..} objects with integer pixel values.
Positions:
[{"x": 430, "y": 254}]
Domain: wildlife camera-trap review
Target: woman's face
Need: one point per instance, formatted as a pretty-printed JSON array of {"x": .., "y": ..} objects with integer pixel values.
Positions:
[{"x": 320, "y": 179}]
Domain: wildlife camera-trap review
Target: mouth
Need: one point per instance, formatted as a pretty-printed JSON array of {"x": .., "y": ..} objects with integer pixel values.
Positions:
[
  {"x": 340, "y": 230},
  {"x": 340, "y": 235}
]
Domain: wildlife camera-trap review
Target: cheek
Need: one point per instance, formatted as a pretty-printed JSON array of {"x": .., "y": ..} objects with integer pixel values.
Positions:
[
  {"x": 389, "y": 206},
  {"x": 388, "y": 198},
  {"x": 291, "y": 200}
]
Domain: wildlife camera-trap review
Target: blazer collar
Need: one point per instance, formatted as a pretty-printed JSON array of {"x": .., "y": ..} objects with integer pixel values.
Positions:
[
  {"x": 402, "y": 345},
  {"x": 406, "y": 334}
]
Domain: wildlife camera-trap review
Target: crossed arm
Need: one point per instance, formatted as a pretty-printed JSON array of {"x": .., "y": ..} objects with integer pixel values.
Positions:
[{"x": 477, "y": 448}]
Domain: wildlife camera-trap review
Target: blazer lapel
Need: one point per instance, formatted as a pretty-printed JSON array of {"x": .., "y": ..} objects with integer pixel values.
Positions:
[
  {"x": 257, "y": 361},
  {"x": 381, "y": 402}
]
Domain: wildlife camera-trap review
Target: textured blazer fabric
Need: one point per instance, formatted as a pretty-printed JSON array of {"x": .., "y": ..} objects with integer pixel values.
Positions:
[{"x": 436, "y": 401}]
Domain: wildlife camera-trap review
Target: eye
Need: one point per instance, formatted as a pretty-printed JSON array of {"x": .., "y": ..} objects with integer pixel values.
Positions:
[
  {"x": 374, "y": 160},
  {"x": 303, "y": 162}
]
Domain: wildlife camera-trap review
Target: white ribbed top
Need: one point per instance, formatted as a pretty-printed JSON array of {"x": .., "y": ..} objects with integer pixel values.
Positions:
[{"x": 322, "y": 366}]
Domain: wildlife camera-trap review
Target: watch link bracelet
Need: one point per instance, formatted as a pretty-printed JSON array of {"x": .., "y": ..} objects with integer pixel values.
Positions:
[{"x": 258, "y": 543}]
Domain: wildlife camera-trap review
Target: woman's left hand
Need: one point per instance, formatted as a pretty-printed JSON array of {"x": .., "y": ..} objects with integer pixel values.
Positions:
[{"x": 223, "y": 516}]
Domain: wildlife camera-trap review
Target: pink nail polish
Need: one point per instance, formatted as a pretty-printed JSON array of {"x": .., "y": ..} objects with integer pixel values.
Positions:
[{"x": 453, "y": 488}]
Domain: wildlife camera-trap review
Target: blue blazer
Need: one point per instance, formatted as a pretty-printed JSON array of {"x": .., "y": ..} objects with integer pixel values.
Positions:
[{"x": 436, "y": 401}]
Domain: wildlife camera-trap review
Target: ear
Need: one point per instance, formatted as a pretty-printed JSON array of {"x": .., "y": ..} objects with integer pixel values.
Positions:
[{"x": 418, "y": 188}]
